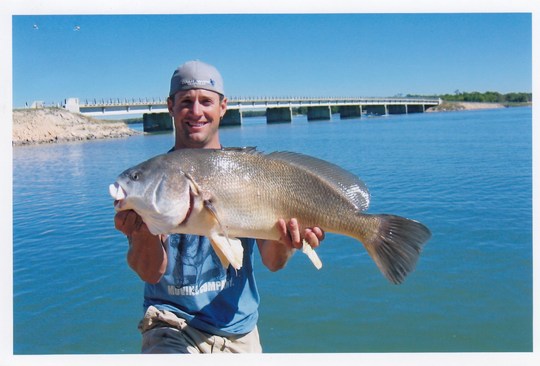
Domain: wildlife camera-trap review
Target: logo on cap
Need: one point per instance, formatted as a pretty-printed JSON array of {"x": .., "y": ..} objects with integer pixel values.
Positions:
[{"x": 197, "y": 82}]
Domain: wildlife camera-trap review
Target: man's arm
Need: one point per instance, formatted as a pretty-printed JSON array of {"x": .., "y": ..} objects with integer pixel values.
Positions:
[
  {"x": 146, "y": 254},
  {"x": 276, "y": 254}
]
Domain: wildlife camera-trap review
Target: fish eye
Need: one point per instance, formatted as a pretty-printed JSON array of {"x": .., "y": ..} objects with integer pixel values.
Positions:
[{"x": 134, "y": 175}]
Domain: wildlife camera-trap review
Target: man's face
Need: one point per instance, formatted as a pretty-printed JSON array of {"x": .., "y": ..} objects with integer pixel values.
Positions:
[{"x": 197, "y": 114}]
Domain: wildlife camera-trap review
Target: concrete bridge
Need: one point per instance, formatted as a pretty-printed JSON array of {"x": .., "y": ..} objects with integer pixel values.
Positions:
[{"x": 277, "y": 110}]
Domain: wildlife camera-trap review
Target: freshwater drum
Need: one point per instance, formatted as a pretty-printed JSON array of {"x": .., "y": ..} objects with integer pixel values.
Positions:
[{"x": 240, "y": 192}]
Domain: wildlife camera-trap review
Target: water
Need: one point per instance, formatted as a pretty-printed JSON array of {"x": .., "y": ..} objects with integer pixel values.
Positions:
[{"x": 466, "y": 175}]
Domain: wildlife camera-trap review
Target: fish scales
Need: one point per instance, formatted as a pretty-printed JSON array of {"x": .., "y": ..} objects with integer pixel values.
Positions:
[{"x": 273, "y": 189}]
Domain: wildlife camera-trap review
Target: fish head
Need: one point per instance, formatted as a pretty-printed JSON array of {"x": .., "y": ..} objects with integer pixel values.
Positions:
[{"x": 160, "y": 195}]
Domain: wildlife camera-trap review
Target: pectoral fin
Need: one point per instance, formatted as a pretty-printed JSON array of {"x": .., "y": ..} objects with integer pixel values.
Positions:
[
  {"x": 195, "y": 187},
  {"x": 229, "y": 250}
]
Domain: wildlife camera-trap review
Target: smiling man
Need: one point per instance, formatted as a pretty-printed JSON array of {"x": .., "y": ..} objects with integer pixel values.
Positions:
[
  {"x": 192, "y": 304},
  {"x": 197, "y": 104}
]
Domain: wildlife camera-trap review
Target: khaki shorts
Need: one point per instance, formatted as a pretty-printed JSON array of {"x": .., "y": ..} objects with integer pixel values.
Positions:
[{"x": 164, "y": 332}]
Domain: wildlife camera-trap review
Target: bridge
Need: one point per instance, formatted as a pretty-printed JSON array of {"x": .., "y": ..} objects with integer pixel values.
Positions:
[{"x": 277, "y": 110}]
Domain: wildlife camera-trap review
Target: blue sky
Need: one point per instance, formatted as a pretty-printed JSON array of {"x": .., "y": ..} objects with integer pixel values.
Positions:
[{"x": 133, "y": 56}]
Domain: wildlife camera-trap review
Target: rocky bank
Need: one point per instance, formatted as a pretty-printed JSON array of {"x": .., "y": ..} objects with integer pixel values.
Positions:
[
  {"x": 51, "y": 125},
  {"x": 463, "y": 106}
]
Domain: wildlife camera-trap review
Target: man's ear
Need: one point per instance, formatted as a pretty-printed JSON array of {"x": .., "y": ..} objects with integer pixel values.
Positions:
[
  {"x": 223, "y": 106},
  {"x": 170, "y": 104}
]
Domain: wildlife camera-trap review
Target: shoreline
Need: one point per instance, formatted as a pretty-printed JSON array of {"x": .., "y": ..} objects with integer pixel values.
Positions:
[
  {"x": 464, "y": 106},
  {"x": 57, "y": 125}
]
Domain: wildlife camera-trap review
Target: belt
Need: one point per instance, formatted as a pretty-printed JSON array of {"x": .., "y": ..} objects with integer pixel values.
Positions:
[{"x": 155, "y": 318}]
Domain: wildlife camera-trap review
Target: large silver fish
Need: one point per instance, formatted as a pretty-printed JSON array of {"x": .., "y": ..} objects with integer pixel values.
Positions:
[{"x": 239, "y": 192}]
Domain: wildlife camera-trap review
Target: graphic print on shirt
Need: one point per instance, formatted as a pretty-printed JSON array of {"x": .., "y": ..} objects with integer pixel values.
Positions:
[{"x": 196, "y": 263}]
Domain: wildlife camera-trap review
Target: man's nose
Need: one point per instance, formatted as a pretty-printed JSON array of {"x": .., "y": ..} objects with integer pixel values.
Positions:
[{"x": 196, "y": 108}]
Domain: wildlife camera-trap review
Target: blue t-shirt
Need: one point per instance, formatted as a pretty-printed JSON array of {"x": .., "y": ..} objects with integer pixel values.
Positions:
[{"x": 196, "y": 287}]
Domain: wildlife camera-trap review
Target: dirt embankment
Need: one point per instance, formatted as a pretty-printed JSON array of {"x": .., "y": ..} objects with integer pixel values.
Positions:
[
  {"x": 50, "y": 125},
  {"x": 464, "y": 106}
]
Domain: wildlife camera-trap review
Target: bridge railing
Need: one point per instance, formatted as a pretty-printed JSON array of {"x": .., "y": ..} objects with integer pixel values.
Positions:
[
  {"x": 121, "y": 102},
  {"x": 295, "y": 101}
]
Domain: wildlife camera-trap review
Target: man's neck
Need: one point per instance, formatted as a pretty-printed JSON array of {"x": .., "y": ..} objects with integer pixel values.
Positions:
[{"x": 209, "y": 146}]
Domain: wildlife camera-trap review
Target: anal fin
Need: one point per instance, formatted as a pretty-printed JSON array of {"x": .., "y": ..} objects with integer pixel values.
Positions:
[{"x": 312, "y": 255}]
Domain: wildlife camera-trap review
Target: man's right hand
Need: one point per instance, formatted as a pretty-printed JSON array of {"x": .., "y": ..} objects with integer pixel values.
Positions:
[{"x": 129, "y": 222}]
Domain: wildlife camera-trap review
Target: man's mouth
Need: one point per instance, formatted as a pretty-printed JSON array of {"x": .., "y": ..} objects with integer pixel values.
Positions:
[{"x": 197, "y": 124}]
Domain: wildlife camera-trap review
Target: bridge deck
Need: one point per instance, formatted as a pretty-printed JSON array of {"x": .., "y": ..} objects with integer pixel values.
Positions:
[{"x": 243, "y": 104}]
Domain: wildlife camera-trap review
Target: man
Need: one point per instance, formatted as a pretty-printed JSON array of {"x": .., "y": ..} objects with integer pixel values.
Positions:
[{"x": 193, "y": 304}]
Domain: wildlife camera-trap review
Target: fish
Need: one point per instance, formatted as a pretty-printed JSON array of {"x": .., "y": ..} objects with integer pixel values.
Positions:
[{"x": 232, "y": 193}]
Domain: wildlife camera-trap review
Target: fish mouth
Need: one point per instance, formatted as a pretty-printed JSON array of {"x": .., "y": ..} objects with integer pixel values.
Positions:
[{"x": 119, "y": 194}]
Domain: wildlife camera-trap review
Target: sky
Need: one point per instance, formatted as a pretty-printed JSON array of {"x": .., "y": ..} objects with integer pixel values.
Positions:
[{"x": 354, "y": 54}]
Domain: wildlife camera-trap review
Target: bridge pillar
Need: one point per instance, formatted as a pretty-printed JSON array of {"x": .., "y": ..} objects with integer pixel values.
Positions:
[
  {"x": 379, "y": 110},
  {"x": 157, "y": 122},
  {"x": 416, "y": 108},
  {"x": 350, "y": 111},
  {"x": 232, "y": 117},
  {"x": 319, "y": 113},
  {"x": 397, "y": 109},
  {"x": 279, "y": 115}
]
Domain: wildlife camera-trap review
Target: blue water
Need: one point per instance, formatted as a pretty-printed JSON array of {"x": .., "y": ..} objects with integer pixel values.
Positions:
[{"x": 466, "y": 175}]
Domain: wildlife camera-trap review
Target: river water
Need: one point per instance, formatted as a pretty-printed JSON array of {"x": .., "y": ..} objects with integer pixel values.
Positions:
[{"x": 466, "y": 175}]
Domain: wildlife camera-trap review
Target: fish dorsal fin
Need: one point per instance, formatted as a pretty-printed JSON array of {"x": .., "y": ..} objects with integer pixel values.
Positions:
[
  {"x": 245, "y": 149},
  {"x": 346, "y": 182}
]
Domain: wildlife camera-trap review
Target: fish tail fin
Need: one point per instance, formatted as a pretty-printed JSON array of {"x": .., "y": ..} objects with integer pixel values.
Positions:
[{"x": 394, "y": 243}]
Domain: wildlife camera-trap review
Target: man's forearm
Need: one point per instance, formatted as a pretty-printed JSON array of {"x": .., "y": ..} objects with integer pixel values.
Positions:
[
  {"x": 274, "y": 254},
  {"x": 147, "y": 256}
]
